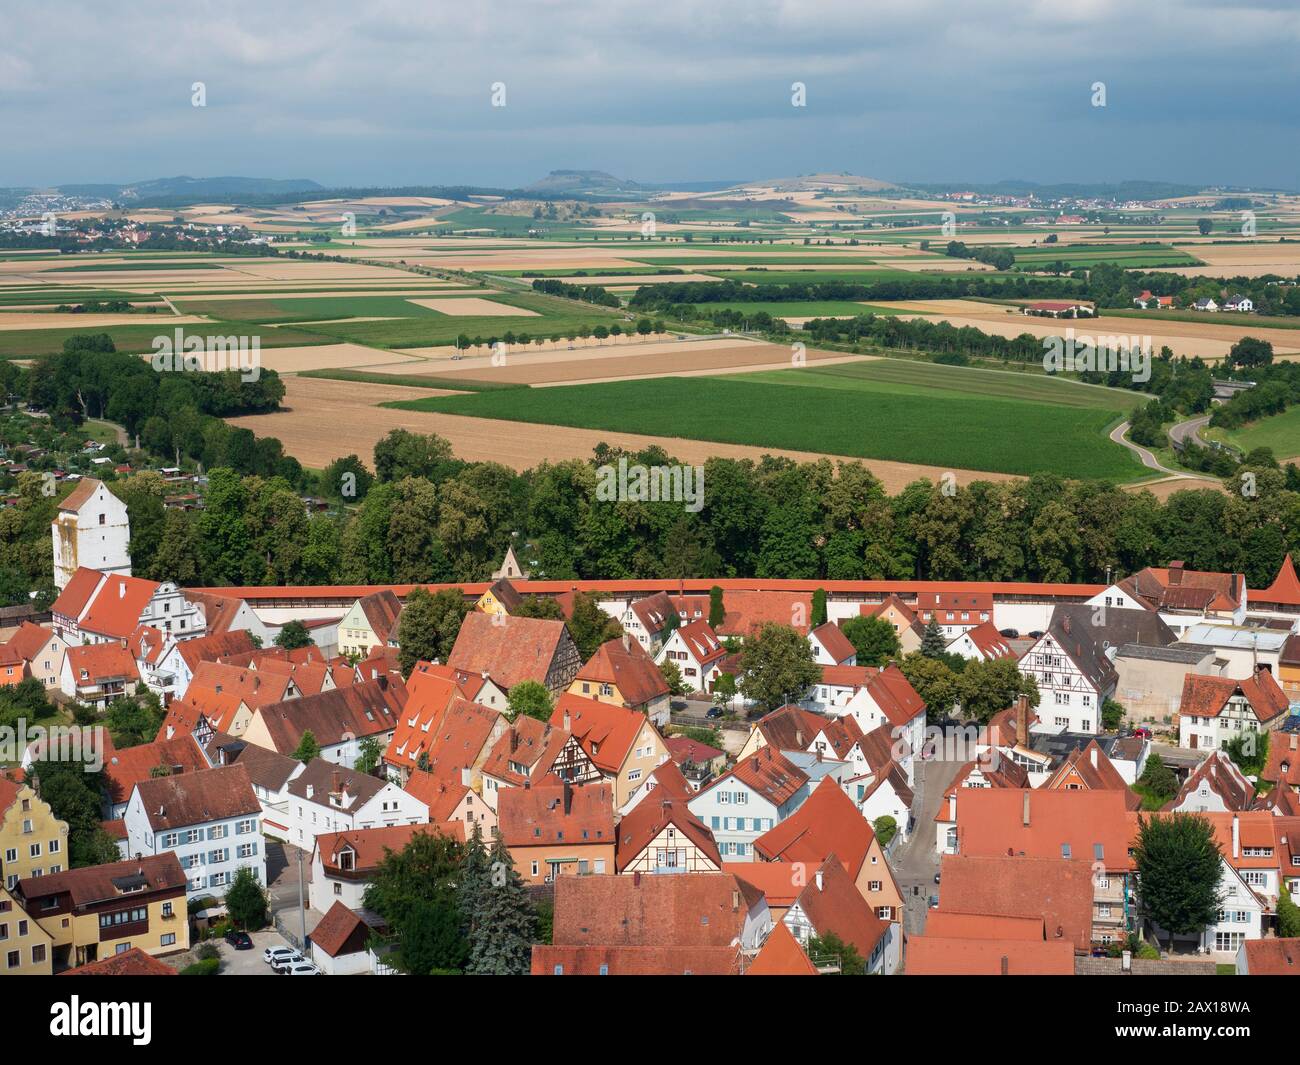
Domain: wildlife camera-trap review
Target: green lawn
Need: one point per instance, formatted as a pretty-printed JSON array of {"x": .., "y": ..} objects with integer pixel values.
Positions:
[
  {"x": 1281, "y": 432},
  {"x": 138, "y": 339},
  {"x": 959, "y": 428}
]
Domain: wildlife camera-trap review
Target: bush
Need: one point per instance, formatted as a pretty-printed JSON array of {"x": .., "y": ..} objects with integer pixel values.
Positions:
[
  {"x": 206, "y": 967},
  {"x": 208, "y": 952}
]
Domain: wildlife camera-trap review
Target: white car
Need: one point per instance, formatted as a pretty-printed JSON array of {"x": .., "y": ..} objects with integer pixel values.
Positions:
[
  {"x": 273, "y": 954},
  {"x": 281, "y": 964},
  {"x": 300, "y": 968}
]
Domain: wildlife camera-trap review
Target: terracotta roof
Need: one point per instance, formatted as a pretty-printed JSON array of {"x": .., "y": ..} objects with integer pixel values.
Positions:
[
  {"x": 266, "y": 769},
  {"x": 1273, "y": 957},
  {"x": 77, "y": 593},
  {"x": 1004, "y": 773},
  {"x": 1088, "y": 767},
  {"x": 683, "y": 749},
  {"x": 791, "y": 727},
  {"x": 509, "y": 649},
  {"x": 1220, "y": 775},
  {"x": 667, "y": 780},
  {"x": 197, "y": 798},
  {"x": 440, "y": 790},
  {"x": 147, "y": 644},
  {"x": 469, "y": 682},
  {"x": 990, "y": 643},
  {"x": 340, "y": 928},
  {"x": 931, "y": 956},
  {"x": 96, "y": 663},
  {"x": 212, "y": 680},
  {"x": 1179, "y": 588},
  {"x": 462, "y": 736},
  {"x": 895, "y": 696},
  {"x": 541, "y": 816},
  {"x": 702, "y": 642},
  {"x": 625, "y": 664},
  {"x": 1283, "y": 759},
  {"x": 653, "y": 611},
  {"x": 669, "y": 910},
  {"x": 837, "y": 645},
  {"x": 80, "y": 496},
  {"x": 605, "y": 732},
  {"x": 1290, "y": 653},
  {"x": 634, "y": 961},
  {"x": 1208, "y": 696},
  {"x": 778, "y": 882},
  {"x": 946, "y": 924},
  {"x": 832, "y": 903},
  {"x": 908, "y": 615},
  {"x": 1285, "y": 589},
  {"x": 93, "y": 884},
  {"x": 781, "y": 955},
  {"x": 219, "y": 611},
  {"x": 124, "y": 768},
  {"x": 381, "y": 610},
  {"x": 365, "y": 709},
  {"x": 1057, "y": 894},
  {"x": 769, "y": 773},
  {"x": 650, "y": 817},
  {"x": 428, "y": 697},
  {"x": 827, "y": 823},
  {"x": 529, "y": 743},
  {"x": 368, "y": 846},
  {"x": 116, "y": 608},
  {"x": 30, "y": 640},
  {"x": 133, "y": 962}
]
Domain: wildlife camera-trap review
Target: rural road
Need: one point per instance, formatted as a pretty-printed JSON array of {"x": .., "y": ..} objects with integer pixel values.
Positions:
[
  {"x": 1191, "y": 428},
  {"x": 1146, "y": 457}
]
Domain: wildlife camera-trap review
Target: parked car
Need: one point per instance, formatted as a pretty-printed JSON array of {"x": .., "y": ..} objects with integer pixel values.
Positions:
[
  {"x": 1010, "y": 634},
  {"x": 1036, "y": 634},
  {"x": 936, "y": 878},
  {"x": 300, "y": 968},
  {"x": 239, "y": 940},
  {"x": 273, "y": 954},
  {"x": 280, "y": 964},
  {"x": 714, "y": 711},
  {"x": 1142, "y": 732}
]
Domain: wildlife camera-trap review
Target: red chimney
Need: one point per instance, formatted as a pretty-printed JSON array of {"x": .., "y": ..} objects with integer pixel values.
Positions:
[
  {"x": 1022, "y": 721},
  {"x": 1175, "y": 573}
]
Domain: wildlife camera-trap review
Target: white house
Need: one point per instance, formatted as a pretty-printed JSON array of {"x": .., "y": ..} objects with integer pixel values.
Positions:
[
  {"x": 830, "y": 647},
  {"x": 100, "y": 607},
  {"x": 697, "y": 653},
  {"x": 748, "y": 800},
  {"x": 343, "y": 863},
  {"x": 90, "y": 530},
  {"x": 210, "y": 819},
  {"x": 1217, "y": 710},
  {"x": 1239, "y": 303},
  {"x": 873, "y": 697},
  {"x": 983, "y": 643},
  {"x": 329, "y": 798},
  {"x": 1073, "y": 674}
]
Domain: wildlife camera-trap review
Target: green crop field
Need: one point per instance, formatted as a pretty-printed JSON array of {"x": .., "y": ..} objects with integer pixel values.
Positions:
[
  {"x": 957, "y": 426},
  {"x": 138, "y": 339},
  {"x": 323, "y": 308},
  {"x": 1281, "y": 432}
]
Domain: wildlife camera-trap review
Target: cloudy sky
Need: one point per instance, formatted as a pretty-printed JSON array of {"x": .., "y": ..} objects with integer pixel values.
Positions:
[{"x": 392, "y": 93}]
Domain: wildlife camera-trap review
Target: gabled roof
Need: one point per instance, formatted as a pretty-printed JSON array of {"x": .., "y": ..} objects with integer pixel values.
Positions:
[
  {"x": 1179, "y": 588},
  {"x": 1207, "y": 696},
  {"x": 683, "y": 749},
  {"x": 96, "y": 663},
  {"x": 790, "y": 728},
  {"x": 781, "y": 955},
  {"x": 365, "y": 709},
  {"x": 605, "y": 732},
  {"x": 1058, "y": 894},
  {"x": 381, "y": 610},
  {"x": 1088, "y": 767},
  {"x": 125, "y": 767},
  {"x": 529, "y": 743},
  {"x": 624, "y": 663},
  {"x": 469, "y": 682},
  {"x": 649, "y": 818},
  {"x": 832, "y": 638},
  {"x": 508, "y": 649},
  {"x": 653, "y": 611},
  {"x": 219, "y": 611},
  {"x": 1273, "y": 957},
  {"x": 147, "y": 644},
  {"x": 827, "y": 823},
  {"x": 116, "y": 607},
  {"x": 340, "y": 929},
  {"x": 30, "y": 640},
  {"x": 949, "y": 924},
  {"x": 504, "y": 592},
  {"x": 549, "y": 814},
  {"x": 832, "y": 903},
  {"x": 91, "y": 884},
  {"x": 989, "y": 642},
  {"x": 1285, "y": 589},
  {"x": 671, "y": 910},
  {"x": 778, "y": 882},
  {"x": 702, "y": 642},
  {"x": 77, "y": 593},
  {"x": 769, "y": 773},
  {"x": 368, "y": 846},
  {"x": 932, "y": 956},
  {"x": 325, "y": 778},
  {"x": 1283, "y": 759},
  {"x": 197, "y": 798},
  {"x": 895, "y": 696},
  {"x": 908, "y": 615},
  {"x": 1089, "y": 826},
  {"x": 460, "y": 737},
  {"x": 133, "y": 962},
  {"x": 1219, "y": 774},
  {"x": 80, "y": 496},
  {"x": 266, "y": 769},
  {"x": 429, "y": 696},
  {"x": 440, "y": 789},
  {"x": 1004, "y": 773},
  {"x": 213, "y": 646}
]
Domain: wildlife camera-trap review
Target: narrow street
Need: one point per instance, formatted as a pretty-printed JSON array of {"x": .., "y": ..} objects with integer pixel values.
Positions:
[{"x": 916, "y": 861}]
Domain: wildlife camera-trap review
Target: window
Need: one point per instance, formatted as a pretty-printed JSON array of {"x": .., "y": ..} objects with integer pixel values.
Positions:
[
  {"x": 12, "y": 959},
  {"x": 168, "y": 940},
  {"x": 166, "y": 909},
  {"x": 38, "y": 953}
]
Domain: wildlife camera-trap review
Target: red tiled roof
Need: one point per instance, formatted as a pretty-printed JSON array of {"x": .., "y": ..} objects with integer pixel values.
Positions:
[
  {"x": 91, "y": 884},
  {"x": 781, "y": 955},
  {"x": 702, "y": 642},
  {"x": 1206, "y": 696},
  {"x": 1285, "y": 589},
  {"x": 778, "y": 882},
  {"x": 96, "y": 663},
  {"x": 429, "y": 695},
  {"x": 992, "y": 822},
  {"x": 368, "y": 845},
  {"x": 990, "y": 642},
  {"x": 895, "y": 696},
  {"x": 30, "y": 639},
  {"x": 381, "y": 610},
  {"x": 1283, "y": 759},
  {"x": 769, "y": 773},
  {"x": 508, "y": 649},
  {"x": 832, "y": 903},
  {"x": 133, "y": 962},
  {"x": 634, "y": 961},
  {"x": 837, "y": 645},
  {"x": 215, "y": 645},
  {"x": 683, "y": 749},
  {"x": 529, "y": 743},
  {"x": 367, "y": 709},
  {"x": 544, "y": 815},
  {"x": 441, "y": 790},
  {"x": 197, "y": 798},
  {"x": 649, "y": 818},
  {"x": 605, "y": 732},
  {"x": 945, "y": 924},
  {"x": 653, "y": 611},
  {"x": 340, "y": 928},
  {"x": 827, "y": 823},
  {"x": 931, "y": 956},
  {"x": 79, "y": 496},
  {"x": 624, "y": 663},
  {"x": 1273, "y": 957},
  {"x": 117, "y": 606},
  {"x": 77, "y": 592},
  {"x": 125, "y": 767}
]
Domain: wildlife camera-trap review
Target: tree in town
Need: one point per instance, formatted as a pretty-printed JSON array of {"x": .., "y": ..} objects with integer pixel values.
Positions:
[
  {"x": 133, "y": 719},
  {"x": 1249, "y": 751},
  {"x": 429, "y": 625},
  {"x": 1178, "y": 869},
  {"x": 777, "y": 666},
  {"x": 531, "y": 699},
  {"x": 830, "y": 948},
  {"x": 1112, "y": 715},
  {"x": 370, "y": 752},
  {"x": 1288, "y": 914},
  {"x": 818, "y": 607},
  {"x": 590, "y": 626},
  {"x": 985, "y": 688},
  {"x": 475, "y": 881},
  {"x": 246, "y": 901},
  {"x": 933, "y": 681},
  {"x": 724, "y": 687},
  {"x": 717, "y": 610},
  {"x": 874, "y": 639},
  {"x": 672, "y": 675},
  {"x": 933, "y": 643},
  {"x": 414, "y": 891},
  {"x": 886, "y": 829},
  {"x": 292, "y": 636},
  {"x": 307, "y": 748},
  {"x": 1158, "y": 779},
  {"x": 502, "y": 942}
]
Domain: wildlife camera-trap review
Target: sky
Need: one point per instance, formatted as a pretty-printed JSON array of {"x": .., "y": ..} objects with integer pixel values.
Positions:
[{"x": 388, "y": 94}]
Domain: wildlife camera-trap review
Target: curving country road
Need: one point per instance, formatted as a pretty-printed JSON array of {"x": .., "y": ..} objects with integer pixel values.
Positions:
[
  {"x": 1191, "y": 428},
  {"x": 1144, "y": 456}
]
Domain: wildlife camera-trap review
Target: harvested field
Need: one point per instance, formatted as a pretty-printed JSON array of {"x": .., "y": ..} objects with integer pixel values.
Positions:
[
  {"x": 165, "y": 320},
  {"x": 330, "y": 419},
  {"x": 471, "y": 306},
  {"x": 329, "y": 357}
]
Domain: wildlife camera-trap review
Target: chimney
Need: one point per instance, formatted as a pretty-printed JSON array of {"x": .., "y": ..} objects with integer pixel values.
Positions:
[
  {"x": 1024, "y": 810},
  {"x": 1022, "y": 721},
  {"x": 336, "y": 783},
  {"x": 1175, "y": 573},
  {"x": 566, "y": 721},
  {"x": 568, "y": 798},
  {"x": 466, "y": 775},
  {"x": 819, "y": 879},
  {"x": 514, "y": 740},
  {"x": 1092, "y": 749},
  {"x": 1006, "y": 966},
  {"x": 1236, "y": 836}
]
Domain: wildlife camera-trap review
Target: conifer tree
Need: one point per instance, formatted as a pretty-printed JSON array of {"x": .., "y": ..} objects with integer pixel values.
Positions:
[{"x": 501, "y": 945}]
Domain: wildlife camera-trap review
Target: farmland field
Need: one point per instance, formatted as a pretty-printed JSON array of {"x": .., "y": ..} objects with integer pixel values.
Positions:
[
  {"x": 1281, "y": 432},
  {"x": 854, "y": 416}
]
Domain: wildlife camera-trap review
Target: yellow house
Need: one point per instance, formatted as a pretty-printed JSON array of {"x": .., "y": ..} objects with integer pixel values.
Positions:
[
  {"x": 370, "y": 622},
  {"x": 97, "y": 911},
  {"x": 501, "y": 598},
  {"x": 32, "y": 840},
  {"x": 619, "y": 744},
  {"x": 26, "y": 949},
  {"x": 623, "y": 673},
  {"x": 907, "y": 626}
]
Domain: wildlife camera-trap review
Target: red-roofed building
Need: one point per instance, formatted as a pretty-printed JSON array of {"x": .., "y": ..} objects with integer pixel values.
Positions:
[
  {"x": 752, "y": 797},
  {"x": 558, "y": 831},
  {"x": 697, "y": 653},
  {"x": 125, "y": 767},
  {"x": 1215, "y": 710},
  {"x": 90, "y": 530},
  {"x": 96, "y": 674},
  {"x": 343, "y": 863},
  {"x": 873, "y": 697},
  {"x": 451, "y": 800},
  {"x": 623, "y": 673},
  {"x": 662, "y": 836},
  {"x": 1269, "y": 957},
  {"x": 983, "y": 643},
  {"x": 831, "y": 904},
  {"x": 831, "y": 647},
  {"x": 102, "y": 608},
  {"x": 1282, "y": 597},
  {"x": 931, "y": 955},
  {"x": 514, "y": 649},
  {"x": 781, "y": 955},
  {"x": 621, "y": 744},
  {"x": 339, "y": 941},
  {"x": 42, "y": 649}
]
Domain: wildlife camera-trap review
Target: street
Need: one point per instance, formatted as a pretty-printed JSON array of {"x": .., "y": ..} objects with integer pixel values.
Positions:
[{"x": 916, "y": 861}]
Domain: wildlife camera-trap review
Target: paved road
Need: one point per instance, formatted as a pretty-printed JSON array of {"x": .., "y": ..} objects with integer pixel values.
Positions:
[
  {"x": 1144, "y": 456},
  {"x": 249, "y": 962},
  {"x": 916, "y": 861},
  {"x": 1191, "y": 428}
]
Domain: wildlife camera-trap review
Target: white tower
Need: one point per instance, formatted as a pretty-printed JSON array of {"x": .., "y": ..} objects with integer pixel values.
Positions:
[{"x": 91, "y": 530}]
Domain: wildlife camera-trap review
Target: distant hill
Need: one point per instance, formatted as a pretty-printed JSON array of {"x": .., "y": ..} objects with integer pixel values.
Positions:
[
  {"x": 215, "y": 188},
  {"x": 1120, "y": 192},
  {"x": 558, "y": 182},
  {"x": 812, "y": 182}
]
